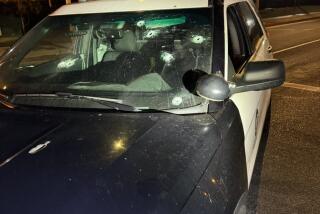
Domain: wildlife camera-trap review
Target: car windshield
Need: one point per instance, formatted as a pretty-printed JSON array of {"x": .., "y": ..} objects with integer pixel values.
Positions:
[{"x": 143, "y": 59}]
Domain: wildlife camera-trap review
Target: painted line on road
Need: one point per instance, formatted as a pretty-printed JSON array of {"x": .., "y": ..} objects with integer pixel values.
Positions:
[
  {"x": 292, "y": 15},
  {"x": 280, "y": 17},
  {"x": 293, "y": 23},
  {"x": 301, "y": 87},
  {"x": 297, "y": 46}
]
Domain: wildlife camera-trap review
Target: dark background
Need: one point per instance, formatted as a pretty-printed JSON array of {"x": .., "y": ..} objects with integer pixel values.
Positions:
[
  {"x": 286, "y": 3},
  {"x": 17, "y": 18}
]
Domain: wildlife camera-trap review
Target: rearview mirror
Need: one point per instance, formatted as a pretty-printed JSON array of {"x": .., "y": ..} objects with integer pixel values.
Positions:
[{"x": 256, "y": 76}]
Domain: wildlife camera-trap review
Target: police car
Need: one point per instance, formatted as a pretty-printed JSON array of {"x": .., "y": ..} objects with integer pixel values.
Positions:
[{"x": 135, "y": 106}]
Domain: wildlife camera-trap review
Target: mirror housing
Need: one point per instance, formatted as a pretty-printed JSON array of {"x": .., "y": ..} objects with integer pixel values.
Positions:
[
  {"x": 259, "y": 76},
  {"x": 213, "y": 87},
  {"x": 256, "y": 76}
]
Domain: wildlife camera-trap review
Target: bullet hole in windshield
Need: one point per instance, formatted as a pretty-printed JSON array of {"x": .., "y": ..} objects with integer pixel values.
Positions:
[{"x": 197, "y": 39}]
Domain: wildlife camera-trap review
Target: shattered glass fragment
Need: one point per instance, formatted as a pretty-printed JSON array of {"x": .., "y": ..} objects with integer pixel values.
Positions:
[
  {"x": 176, "y": 101},
  {"x": 67, "y": 63},
  {"x": 167, "y": 57},
  {"x": 151, "y": 34},
  {"x": 141, "y": 23},
  {"x": 197, "y": 39}
]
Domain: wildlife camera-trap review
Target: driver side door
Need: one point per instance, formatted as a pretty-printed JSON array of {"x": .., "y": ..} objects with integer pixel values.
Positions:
[{"x": 247, "y": 41}]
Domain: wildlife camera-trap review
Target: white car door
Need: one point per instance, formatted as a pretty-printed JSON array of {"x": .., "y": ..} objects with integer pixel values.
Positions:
[{"x": 247, "y": 41}]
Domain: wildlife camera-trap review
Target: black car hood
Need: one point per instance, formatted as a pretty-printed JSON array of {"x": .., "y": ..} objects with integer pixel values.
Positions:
[{"x": 101, "y": 162}]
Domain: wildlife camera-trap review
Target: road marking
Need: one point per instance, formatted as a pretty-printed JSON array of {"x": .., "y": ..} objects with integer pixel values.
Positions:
[
  {"x": 293, "y": 23},
  {"x": 279, "y": 17},
  {"x": 297, "y": 46},
  {"x": 301, "y": 87},
  {"x": 292, "y": 15},
  {"x": 292, "y": 29}
]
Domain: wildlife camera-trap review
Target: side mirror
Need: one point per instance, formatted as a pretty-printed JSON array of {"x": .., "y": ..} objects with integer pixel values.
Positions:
[
  {"x": 259, "y": 76},
  {"x": 213, "y": 87},
  {"x": 256, "y": 76}
]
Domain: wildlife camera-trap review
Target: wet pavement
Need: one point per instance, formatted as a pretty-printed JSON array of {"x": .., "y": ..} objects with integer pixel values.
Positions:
[
  {"x": 276, "y": 16},
  {"x": 287, "y": 175}
]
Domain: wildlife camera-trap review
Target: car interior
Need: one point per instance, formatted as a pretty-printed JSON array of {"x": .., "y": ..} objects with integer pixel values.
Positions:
[{"x": 125, "y": 56}]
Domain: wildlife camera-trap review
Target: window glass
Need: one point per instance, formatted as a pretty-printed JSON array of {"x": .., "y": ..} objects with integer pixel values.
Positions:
[
  {"x": 251, "y": 24},
  {"x": 53, "y": 46},
  {"x": 238, "y": 48},
  {"x": 140, "y": 59}
]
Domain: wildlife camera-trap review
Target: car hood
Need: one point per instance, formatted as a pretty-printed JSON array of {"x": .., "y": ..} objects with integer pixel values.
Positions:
[{"x": 84, "y": 162}]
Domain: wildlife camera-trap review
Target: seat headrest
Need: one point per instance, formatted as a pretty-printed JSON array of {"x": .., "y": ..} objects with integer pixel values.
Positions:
[{"x": 128, "y": 43}]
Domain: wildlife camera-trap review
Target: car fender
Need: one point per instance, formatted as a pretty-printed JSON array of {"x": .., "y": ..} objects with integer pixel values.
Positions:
[{"x": 225, "y": 180}]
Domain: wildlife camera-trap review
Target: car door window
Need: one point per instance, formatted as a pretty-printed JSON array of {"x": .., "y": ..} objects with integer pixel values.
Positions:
[
  {"x": 251, "y": 24},
  {"x": 237, "y": 42}
]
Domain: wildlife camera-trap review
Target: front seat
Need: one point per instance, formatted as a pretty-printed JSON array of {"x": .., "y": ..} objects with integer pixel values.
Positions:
[
  {"x": 125, "y": 63},
  {"x": 128, "y": 43}
]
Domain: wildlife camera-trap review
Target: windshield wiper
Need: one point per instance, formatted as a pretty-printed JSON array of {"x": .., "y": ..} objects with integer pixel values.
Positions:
[
  {"x": 111, "y": 103},
  {"x": 26, "y": 67},
  {"x": 107, "y": 102}
]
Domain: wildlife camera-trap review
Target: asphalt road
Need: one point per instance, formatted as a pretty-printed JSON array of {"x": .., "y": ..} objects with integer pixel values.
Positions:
[{"x": 289, "y": 177}]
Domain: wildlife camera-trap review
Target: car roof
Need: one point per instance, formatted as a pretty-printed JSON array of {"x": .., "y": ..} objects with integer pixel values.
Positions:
[{"x": 109, "y": 6}]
